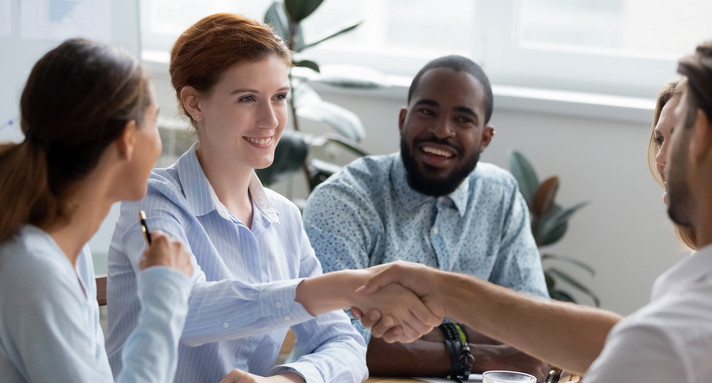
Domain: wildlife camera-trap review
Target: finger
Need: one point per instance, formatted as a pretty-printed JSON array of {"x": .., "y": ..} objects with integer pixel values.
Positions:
[
  {"x": 356, "y": 313},
  {"x": 423, "y": 315},
  {"x": 371, "y": 318},
  {"x": 393, "y": 335}
]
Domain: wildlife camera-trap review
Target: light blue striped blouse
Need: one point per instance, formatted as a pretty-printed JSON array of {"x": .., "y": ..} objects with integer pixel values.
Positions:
[{"x": 242, "y": 302}]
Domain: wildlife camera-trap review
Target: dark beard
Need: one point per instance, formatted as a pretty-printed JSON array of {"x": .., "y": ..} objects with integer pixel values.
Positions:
[{"x": 433, "y": 186}]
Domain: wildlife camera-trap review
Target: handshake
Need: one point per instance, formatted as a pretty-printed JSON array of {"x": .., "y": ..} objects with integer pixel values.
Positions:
[{"x": 399, "y": 301}]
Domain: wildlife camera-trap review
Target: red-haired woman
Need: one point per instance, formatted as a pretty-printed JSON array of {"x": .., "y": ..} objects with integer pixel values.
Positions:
[{"x": 252, "y": 256}]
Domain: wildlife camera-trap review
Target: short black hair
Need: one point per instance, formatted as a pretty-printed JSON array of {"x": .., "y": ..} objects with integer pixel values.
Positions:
[{"x": 460, "y": 64}]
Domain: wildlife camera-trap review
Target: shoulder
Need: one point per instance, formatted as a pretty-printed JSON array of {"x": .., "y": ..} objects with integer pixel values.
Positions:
[
  {"x": 493, "y": 174},
  {"x": 30, "y": 264},
  {"x": 363, "y": 176}
]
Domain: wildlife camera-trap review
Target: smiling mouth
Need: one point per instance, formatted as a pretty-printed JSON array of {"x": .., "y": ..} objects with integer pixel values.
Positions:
[
  {"x": 259, "y": 140},
  {"x": 437, "y": 152}
]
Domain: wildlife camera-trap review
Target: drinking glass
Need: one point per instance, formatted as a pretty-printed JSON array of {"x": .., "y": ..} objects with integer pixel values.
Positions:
[{"x": 501, "y": 376}]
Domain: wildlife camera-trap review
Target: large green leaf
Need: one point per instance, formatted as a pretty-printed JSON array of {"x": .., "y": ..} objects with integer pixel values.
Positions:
[
  {"x": 342, "y": 120},
  {"x": 576, "y": 284},
  {"x": 276, "y": 17},
  {"x": 523, "y": 171},
  {"x": 307, "y": 64},
  {"x": 298, "y": 10},
  {"x": 558, "y": 217},
  {"x": 289, "y": 156},
  {"x": 561, "y": 295},
  {"x": 331, "y": 35},
  {"x": 551, "y": 236}
]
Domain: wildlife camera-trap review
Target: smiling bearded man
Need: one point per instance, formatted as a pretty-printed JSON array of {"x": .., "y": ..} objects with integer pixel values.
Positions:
[{"x": 433, "y": 203}]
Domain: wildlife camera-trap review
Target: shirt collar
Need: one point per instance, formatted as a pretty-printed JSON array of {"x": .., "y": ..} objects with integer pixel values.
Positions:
[
  {"x": 413, "y": 199},
  {"x": 200, "y": 195},
  {"x": 686, "y": 272}
]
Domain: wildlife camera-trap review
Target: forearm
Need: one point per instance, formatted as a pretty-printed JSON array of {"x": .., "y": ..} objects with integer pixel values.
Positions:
[
  {"x": 567, "y": 335},
  {"x": 420, "y": 358},
  {"x": 329, "y": 292}
]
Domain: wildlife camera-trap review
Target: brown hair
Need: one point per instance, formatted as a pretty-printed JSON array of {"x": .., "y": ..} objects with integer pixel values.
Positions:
[
  {"x": 214, "y": 44},
  {"x": 672, "y": 89},
  {"x": 77, "y": 100}
]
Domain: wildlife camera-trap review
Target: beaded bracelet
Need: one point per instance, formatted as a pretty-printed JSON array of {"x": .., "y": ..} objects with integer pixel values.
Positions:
[{"x": 456, "y": 344}]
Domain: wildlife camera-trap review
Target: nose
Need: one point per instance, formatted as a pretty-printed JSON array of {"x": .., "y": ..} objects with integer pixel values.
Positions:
[
  {"x": 442, "y": 128},
  {"x": 661, "y": 160},
  {"x": 266, "y": 116}
]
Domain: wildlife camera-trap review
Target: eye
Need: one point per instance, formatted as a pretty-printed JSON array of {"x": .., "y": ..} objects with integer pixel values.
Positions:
[
  {"x": 246, "y": 99},
  {"x": 281, "y": 96},
  {"x": 426, "y": 112},
  {"x": 464, "y": 120},
  {"x": 659, "y": 140}
]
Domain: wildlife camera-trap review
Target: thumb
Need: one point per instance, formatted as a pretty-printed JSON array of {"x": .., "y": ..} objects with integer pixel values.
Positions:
[{"x": 381, "y": 279}]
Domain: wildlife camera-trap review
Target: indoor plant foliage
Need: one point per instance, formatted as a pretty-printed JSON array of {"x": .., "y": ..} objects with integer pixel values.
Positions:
[
  {"x": 549, "y": 222},
  {"x": 293, "y": 149}
]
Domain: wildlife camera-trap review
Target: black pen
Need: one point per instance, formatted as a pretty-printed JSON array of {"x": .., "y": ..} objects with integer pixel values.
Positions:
[{"x": 144, "y": 227}]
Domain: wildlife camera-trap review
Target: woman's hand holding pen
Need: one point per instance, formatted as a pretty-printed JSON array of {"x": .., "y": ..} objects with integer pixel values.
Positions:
[{"x": 164, "y": 251}]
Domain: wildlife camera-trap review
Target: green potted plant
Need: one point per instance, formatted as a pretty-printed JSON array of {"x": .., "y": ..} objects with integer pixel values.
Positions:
[
  {"x": 549, "y": 222},
  {"x": 293, "y": 150}
]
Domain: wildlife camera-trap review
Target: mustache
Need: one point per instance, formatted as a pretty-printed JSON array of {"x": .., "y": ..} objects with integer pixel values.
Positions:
[{"x": 439, "y": 141}]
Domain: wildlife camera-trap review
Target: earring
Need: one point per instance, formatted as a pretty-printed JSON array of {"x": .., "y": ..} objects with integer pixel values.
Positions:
[{"x": 197, "y": 117}]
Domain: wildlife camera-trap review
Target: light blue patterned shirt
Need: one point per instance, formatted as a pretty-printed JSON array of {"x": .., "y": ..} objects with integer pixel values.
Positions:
[
  {"x": 367, "y": 214},
  {"x": 49, "y": 327},
  {"x": 242, "y": 302}
]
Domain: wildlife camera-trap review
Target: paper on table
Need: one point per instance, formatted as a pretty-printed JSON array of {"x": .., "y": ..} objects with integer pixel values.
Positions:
[{"x": 473, "y": 378}]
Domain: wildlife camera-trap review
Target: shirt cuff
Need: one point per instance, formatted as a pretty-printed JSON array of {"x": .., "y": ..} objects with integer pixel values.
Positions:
[
  {"x": 162, "y": 283},
  {"x": 306, "y": 370},
  {"x": 277, "y": 301}
]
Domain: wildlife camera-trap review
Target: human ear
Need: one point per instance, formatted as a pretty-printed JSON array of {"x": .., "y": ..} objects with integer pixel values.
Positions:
[
  {"x": 401, "y": 119},
  {"x": 701, "y": 140},
  {"x": 487, "y": 135},
  {"x": 126, "y": 141},
  {"x": 190, "y": 98}
]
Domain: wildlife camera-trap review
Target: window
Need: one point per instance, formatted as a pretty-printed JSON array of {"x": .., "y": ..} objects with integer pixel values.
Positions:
[{"x": 623, "y": 47}]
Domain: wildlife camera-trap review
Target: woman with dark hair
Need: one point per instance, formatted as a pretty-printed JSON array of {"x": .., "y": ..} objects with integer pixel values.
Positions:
[
  {"x": 89, "y": 121},
  {"x": 256, "y": 273}
]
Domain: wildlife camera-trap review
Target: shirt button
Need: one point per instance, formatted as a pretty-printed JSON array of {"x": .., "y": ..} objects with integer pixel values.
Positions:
[
  {"x": 278, "y": 305},
  {"x": 226, "y": 324},
  {"x": 435, "y": 230},
  {"x": 287, "y": 318},
  {"x": 441, "y": 199}
]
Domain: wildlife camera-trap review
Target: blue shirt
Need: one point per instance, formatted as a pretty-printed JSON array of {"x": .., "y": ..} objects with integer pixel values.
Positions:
[
  {"x": 49, "y": 327},
  {"x": 367, "y": 214},
  {"x": 242, "y": 302}
]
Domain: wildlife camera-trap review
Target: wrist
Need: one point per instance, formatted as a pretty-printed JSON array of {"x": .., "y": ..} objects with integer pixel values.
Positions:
[
  {"x": 456, "y": 343},
  {"x": 329, "y": 292}
]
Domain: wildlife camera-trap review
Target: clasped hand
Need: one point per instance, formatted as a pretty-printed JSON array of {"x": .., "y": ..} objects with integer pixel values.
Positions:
[{"x": 395, "y": 306}]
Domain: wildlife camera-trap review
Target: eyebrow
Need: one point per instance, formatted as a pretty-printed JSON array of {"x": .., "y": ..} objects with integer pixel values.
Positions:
[
  {"x": 250, "y": 90},
  {"x": 462, "y": 109}
]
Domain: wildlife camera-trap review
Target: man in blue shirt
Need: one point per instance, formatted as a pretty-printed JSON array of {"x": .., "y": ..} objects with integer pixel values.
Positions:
[{"x": 434, "y": 204}]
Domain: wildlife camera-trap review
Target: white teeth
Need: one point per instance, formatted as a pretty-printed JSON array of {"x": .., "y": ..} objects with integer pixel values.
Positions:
[
  {"x": 437, "y": 152},
  {"x": 259, "y": 141}
]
